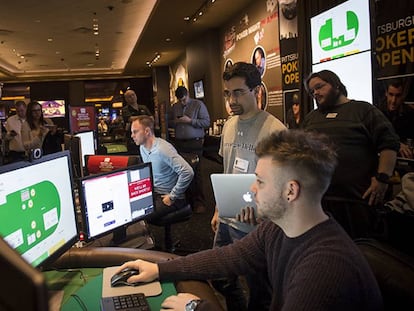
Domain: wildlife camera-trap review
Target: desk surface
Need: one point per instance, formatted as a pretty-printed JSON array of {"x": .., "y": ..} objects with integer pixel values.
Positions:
[{"x": 84, "y": 286}]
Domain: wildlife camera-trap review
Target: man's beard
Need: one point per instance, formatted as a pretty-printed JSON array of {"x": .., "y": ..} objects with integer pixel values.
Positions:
[{"x": 331, "y": 100}]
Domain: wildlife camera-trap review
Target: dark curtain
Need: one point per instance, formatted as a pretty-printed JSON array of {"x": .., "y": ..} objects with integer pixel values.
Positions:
[{"x": 306, "y": 10}]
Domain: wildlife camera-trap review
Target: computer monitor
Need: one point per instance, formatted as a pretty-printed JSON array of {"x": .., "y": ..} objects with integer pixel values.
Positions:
[
  {"x": 37, "y": 214},
  {"x": 22, "y": 280},
  {"x": 88, "y": 144},
  {"x": 73, "y": 144},
  {"x": 113, "y": 200}
]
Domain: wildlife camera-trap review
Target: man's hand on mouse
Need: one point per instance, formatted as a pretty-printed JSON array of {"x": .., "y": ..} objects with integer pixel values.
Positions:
[{"x": 148, "y": 271}]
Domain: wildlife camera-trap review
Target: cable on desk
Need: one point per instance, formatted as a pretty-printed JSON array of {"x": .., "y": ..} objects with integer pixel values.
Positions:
[
  {"x": 80, "y": 302},
  {"x": 82, "y": 276}
]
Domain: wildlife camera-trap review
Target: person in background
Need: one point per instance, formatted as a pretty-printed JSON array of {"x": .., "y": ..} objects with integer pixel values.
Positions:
[
  {"x": 294, "y": 117},
  {"x": 172, "y": 174},
  {"x": 189, "y": 118},
  {"x": 102, "y": 126},
  {"x": 367, "y": 149},
  {"x": 38, "y": 131},
  {"x": 241, "y": 133},
  {"x": 311, "y": 263},
  {"x": 131, "y": 109},
  {"x": 399, "y": 114},
  {"x": 16, "y": 150},
  {"x": 259, "y": 60}
]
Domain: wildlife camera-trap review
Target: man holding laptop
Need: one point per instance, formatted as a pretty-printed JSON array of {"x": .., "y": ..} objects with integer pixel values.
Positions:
[
  {"x": 242, "y": 131},
  {"x": 311, "y": 263}
]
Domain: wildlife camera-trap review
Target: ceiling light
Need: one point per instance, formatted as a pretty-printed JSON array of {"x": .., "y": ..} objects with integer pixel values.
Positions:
[
  {"x": 200, "y": 11},
  {"x": 99, "y": 99},
  {"x": 95, "y": 25},
  {"x": 154, "y": 60}
]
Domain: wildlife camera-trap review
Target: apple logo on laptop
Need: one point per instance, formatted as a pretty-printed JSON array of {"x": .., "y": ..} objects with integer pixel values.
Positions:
[{"x": 247, "y": 197}]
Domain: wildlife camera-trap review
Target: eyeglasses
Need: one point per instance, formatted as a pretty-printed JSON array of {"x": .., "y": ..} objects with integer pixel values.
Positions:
[
  {"x": 317, "y": 88},
  {"x": 236, "y": 93}
]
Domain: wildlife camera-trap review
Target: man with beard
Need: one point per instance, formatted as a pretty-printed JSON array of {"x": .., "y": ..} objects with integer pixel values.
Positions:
[
  {"x": 309, "y": 260},
  {"x": 366, "y": 141}
]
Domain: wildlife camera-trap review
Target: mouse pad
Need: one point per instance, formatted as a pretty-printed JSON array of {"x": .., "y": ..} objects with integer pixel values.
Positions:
[{"x": 149, "y": 289}]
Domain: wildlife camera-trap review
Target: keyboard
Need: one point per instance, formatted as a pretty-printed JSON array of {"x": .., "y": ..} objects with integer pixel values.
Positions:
[{"x": 131, "y": 302}]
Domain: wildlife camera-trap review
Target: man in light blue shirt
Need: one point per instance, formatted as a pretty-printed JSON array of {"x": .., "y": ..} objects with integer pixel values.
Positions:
[{"x": 172, "y": 174}]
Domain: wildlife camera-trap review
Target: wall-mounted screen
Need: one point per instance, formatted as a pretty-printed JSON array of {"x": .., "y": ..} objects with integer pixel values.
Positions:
[
  {"x": 341, "y": 42},
  {"x": 341, "y": 31},
  {"x": 116, "y": 199},
  {"x": 352, "y": 81},
  {"x": 37, "y": 214},
  {"x": 199, "y": 89},
  {"x": 53, "y": 108}
]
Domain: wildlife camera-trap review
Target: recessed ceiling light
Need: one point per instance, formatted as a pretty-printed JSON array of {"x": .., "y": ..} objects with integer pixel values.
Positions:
[
  {"x": 168, "y": 39},
  {"x": 49, "y": 39},
  {"x": 187, "y": 18}
]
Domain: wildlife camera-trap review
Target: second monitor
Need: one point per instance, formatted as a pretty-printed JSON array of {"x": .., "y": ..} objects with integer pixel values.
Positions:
[{"x": 113, "y": 200}]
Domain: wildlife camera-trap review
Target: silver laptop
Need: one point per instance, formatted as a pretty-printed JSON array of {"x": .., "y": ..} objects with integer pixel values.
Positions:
[{"x": 232, "y": 192}]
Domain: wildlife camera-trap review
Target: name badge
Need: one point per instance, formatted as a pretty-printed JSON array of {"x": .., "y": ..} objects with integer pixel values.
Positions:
[
  {"x": 241, "y": 165},
  {"x": 331, "y": 115}
]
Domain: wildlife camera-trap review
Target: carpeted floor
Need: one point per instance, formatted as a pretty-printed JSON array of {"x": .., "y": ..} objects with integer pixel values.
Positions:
[{"x": 194, "y": 234}]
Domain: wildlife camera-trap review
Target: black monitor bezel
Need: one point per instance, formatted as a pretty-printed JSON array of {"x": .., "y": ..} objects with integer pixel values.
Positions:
[
  {"x": 73, "y": 144},
  {"x": 23, "y": 164},
  {"x": 30, "y": 283},
  {"x": 85, "y": 227}
]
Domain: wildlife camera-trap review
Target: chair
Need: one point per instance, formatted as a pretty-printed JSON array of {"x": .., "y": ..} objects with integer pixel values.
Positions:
[
  {"x": 356, "y": 217},
  {"x": 394, "y": 272},
  {"x": 180, "y": 215},
  {"x": 177, "y": 216}
]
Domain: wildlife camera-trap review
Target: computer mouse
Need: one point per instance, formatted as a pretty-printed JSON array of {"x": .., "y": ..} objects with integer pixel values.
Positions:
[{"x": 120, "y": 279}]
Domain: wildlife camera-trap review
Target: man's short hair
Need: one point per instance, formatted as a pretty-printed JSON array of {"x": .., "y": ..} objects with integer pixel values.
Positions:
[
  {"x": 397, "y": 83},
  {"x": 329, "y": 77},
  {"x": 248, "y": 71},
  {"x": 311, "y": 155},
  {"x": 180, "y": 92},
  {"x": 146, "y": 121},
  {"x": 19, "y": 103}
]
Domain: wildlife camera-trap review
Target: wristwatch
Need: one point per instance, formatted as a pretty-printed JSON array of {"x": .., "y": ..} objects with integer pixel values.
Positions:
[
  {"x": 192, "y": 304},
  {"x": 382, "y": 177}
]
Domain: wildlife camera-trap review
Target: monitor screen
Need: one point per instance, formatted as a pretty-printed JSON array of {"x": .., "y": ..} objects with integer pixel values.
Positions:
[
  {"x": 53, "y": 108},
  {"x": 116, "y": 199},
  {"x": 340, "y": 40},
  {"x": 37, "y": 214},
  {"x": 23, "y": 279},
  {"x": 87, "y": 144}
]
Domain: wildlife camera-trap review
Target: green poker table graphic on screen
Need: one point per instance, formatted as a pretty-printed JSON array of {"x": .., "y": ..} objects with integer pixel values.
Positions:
[{"x": 38, "y": 208}]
